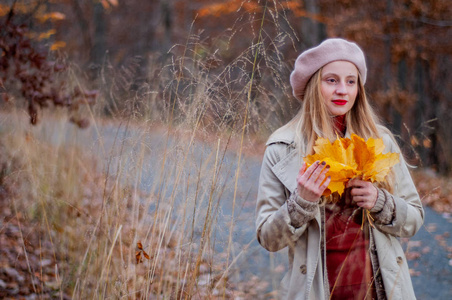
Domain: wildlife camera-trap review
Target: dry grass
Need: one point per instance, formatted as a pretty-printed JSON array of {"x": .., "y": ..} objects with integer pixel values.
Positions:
[
  {"x": 93, "y": 212},
  {"x": 93, "y": 195}
]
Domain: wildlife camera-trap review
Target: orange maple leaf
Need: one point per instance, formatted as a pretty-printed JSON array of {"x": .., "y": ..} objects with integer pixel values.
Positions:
[{"x": 352, "y": 157}]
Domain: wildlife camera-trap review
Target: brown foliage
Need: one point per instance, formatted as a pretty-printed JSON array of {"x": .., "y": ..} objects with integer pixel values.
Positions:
[
  {"x": 28, "y": 70},
  {"x": 408, "y": 45},
  {"x": 435, "y": 190}
]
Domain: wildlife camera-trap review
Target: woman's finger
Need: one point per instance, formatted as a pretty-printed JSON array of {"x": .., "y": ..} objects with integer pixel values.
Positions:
[
  {"x": 321, "y": 178},
  {"x": 325, "y": 184},
  {"x": 311, "y": 180},
  {"x": 315, "y": 172},
  {"x": 303, "y": 168},
  {"x": 355, "y": 182},
  {"x": 310, "y": 171},
  {"x": 359, "y": 199},
  {"x": 357, "y": 191},
  {"x": 363, "y": 193},
  {"x": 365, "y": 204}
]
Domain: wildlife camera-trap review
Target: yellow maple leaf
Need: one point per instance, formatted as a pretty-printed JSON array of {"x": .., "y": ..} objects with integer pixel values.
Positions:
[{"x": 352, "y": 157}]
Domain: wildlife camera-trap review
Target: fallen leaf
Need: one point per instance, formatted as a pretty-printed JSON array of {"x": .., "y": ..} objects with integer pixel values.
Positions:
[
  {"x": 414, "y": 244},
  {"x": 412, "y": 255},
  {"x": 140, "y": 252},
  {"x": 425, "y": 250},
  {"x": 431, "y": 227},
  {"x": 414, "y": 272},
  {"x": 138, "y": 256},
  {"x": 140, "y": 246}
]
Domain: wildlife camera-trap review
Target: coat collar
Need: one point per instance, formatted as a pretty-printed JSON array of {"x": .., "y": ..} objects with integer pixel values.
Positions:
[
  {"x": 288, "y": 166},
  {"x": 285, "y": 134},
  {"x": 287, "y": 170}
]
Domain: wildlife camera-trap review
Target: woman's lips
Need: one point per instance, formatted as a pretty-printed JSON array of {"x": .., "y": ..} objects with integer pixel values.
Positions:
[{"x": 340, "y": 102}]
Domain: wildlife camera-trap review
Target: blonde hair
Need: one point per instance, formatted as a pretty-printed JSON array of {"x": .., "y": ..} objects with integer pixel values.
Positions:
[{"x": 313, "y": 120}]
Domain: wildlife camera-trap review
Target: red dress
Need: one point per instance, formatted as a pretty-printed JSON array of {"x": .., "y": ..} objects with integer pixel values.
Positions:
[{"x": 347, "y": 257}]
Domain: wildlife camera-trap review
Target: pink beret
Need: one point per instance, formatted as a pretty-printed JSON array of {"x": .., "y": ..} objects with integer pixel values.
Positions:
[{"x": 328, "y": 51}]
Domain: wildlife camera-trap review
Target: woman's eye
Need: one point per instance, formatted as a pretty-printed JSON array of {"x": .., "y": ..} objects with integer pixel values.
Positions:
[
  {"x": 351, "y": 82},
  {"x": 331, "y": 80}
]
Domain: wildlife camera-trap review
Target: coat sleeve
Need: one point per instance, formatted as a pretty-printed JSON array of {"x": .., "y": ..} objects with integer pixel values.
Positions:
[
  {"x": 280, "y": 218},
  {"x": 399, "y": 214}
]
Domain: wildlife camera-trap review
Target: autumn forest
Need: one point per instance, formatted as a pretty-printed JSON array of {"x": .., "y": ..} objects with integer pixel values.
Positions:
[
  {"x": 104, "y": 104},
  {"x": 119, "y": 49}
]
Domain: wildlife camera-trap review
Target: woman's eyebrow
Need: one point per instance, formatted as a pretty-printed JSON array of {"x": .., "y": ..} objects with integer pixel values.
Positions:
[
  {"x": 335, "y": 74},
  {"x": 329, "y": 74}
]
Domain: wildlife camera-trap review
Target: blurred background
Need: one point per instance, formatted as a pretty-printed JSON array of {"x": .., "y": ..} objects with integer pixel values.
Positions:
[
  {"x": 141, "y": 101},
  {"x": 124, "y": 49}
]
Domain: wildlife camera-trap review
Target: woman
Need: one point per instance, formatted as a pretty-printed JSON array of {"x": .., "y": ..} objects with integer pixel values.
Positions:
[{"x": 331, "y": 255}]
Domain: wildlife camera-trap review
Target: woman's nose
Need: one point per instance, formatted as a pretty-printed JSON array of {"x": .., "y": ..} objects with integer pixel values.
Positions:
[{"x": 341, "y": 88}]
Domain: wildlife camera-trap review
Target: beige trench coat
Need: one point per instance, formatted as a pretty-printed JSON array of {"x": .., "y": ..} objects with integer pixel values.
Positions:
[{"x": 306, "y": 277}]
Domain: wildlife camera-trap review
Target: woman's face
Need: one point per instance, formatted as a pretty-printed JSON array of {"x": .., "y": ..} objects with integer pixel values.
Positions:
[{"x": 339, "y": 86}]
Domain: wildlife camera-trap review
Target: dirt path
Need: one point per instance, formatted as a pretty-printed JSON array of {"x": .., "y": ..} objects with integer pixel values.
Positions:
[{"x": 429, "y": 252}]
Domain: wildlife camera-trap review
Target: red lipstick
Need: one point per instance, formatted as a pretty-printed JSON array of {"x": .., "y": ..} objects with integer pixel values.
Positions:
[{"x": 340, "y": 102}]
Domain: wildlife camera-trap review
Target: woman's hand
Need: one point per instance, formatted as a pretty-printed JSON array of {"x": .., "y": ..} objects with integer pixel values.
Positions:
[
  {"x": 312, "y": 181},
  {"x": 363, "y": 193}
]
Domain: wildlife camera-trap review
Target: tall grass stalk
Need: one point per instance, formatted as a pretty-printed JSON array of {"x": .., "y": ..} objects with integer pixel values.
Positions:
[
  {"x": 207, "y": 223},
  {"x": 245, "y": 121},
  {"x": 23, "y": 245}
]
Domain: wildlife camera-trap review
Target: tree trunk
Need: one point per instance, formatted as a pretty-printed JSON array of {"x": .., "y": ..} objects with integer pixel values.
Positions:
[
  {"x": 84, "y": 26},
  {"x": 167, "y": 23},
  {"x": 99, "y": 47},
  {"x": 313, "y": 32}
]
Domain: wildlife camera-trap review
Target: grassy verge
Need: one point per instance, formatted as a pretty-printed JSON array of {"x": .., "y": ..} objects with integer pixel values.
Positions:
[
  {"x": 83, "y": 216},
  {"x": 95, "y": 196}
]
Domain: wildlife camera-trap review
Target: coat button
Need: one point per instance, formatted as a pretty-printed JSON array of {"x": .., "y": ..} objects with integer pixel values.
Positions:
[
  {"x": 303, "y": 269},
  {"x": 399, "y": 260}
]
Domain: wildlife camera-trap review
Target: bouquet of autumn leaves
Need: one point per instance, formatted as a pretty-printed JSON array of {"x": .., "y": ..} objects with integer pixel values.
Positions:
[{"x": 352, "y": 158}]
